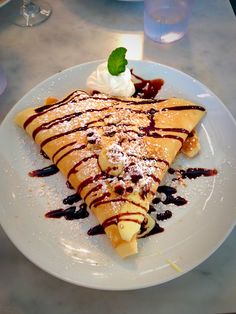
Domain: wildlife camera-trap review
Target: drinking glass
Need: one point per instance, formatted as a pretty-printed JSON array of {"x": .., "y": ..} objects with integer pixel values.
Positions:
[
  {"x": 166, "y": 21},
  {"x": 33, "y": 13}
]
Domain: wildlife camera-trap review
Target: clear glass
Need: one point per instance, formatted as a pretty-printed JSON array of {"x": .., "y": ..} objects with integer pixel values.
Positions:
[
  {"x": 33, "y": 13},
  {"x": 166, "y": 21}
]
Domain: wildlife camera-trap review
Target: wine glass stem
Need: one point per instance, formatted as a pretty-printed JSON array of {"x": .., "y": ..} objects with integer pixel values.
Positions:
[{"x": 30, "y": 8}]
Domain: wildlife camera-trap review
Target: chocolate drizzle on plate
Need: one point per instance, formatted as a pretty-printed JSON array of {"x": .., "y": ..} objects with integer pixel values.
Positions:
[
  {"x": 71, "y": 199},
  {"x": 44, "y": 172},
  {"x": 44, "y": 154},
  {"x": 192, "y": 173},
  {"x": 147, "y": 89},
  {"x": 169, "y": 192},
  {"x": 96, "y": 230},
  {"x": 156, "y": 229},
  {"x": 70, "y": 213},
  {"x": 165, "y": 215},
  {"x": 81, "y": 212}
]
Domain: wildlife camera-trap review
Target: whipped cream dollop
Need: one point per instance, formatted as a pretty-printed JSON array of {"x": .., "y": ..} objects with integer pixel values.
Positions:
[{"x": 102, "y": 81}]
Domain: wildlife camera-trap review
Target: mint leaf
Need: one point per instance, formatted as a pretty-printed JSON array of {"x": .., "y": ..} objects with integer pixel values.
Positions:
[{"x": 116, "y": 61}]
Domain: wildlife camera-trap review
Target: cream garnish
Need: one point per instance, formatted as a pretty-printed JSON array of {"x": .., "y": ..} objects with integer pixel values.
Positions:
[{"x": 114, "y": 85}]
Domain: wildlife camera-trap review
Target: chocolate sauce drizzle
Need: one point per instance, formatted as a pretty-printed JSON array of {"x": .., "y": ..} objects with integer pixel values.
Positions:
[
  {"x": 163, "y": 216},
  {"x": 44, "y": 154},
  {"x": 170, "y": 198},
  {"x": 61, "y": 149},
  {"x": 146, "y": 131},
  {"x": 44, "y": 172},
  {"x": 72, "y": 99},
  {"x": 71, "y": 199},
  {"x": 99, "y": 229},
  {"x": 147, "y": 89},
  {"x": 69, "y": 213},
  {"x": 69, "y": 186},
  {"x": 192, "y": 173},
  {"x": 74, "y": 169},
  {"x": 144, "y": 88},
  {"x": 96, "y": 230},
  {"x": 72, "y": 213},
  {"x": 69, "y": 152},
  {"x": 44, "y": 108},
  {"x": 156, "y": 229}
]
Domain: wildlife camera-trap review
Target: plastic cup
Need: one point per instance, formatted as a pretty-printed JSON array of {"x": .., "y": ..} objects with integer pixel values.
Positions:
[{"x": 166, "y": 21}]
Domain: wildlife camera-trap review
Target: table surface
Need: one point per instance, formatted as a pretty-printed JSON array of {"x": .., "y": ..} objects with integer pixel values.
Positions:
[{"x": 79, "y": 31}]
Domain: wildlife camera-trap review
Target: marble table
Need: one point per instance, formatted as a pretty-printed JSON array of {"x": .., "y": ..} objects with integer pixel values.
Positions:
[{"x": 79, "y": 31}]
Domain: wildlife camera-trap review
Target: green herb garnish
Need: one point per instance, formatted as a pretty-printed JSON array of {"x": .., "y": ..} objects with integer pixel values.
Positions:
[{"x": 116, "y": 61}]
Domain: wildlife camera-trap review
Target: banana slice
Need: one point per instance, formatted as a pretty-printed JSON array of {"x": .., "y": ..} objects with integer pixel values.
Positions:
[{"x": 111, "y": 160}]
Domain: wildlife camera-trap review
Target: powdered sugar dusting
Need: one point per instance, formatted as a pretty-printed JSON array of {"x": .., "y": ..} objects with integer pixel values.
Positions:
[{"x": 115, "y": 146}]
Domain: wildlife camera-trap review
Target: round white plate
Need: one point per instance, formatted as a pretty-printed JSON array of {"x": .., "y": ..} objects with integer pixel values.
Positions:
[{"x": 63, "y": 248}]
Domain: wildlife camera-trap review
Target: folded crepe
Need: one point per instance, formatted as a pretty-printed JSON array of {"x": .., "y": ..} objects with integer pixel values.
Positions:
[{"x": 114, "y": 152}]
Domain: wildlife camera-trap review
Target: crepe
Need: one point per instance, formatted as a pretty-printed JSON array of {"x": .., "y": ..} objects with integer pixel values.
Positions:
[{"x": 114, "y": 152}]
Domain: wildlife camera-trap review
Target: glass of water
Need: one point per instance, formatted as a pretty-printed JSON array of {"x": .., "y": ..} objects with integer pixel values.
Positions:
[{"x": 166, "y": 21}]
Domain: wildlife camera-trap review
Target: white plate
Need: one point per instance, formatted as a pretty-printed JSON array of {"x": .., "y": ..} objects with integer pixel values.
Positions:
[
  {"x": 63, "y": 248},
  {"x": 3, "y": 2}
]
